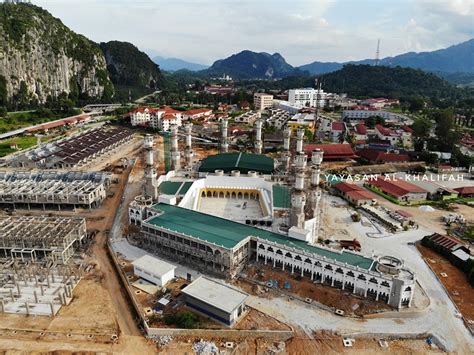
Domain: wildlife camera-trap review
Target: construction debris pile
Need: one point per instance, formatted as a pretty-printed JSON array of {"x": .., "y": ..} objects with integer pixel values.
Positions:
[{"x": 202, "y": 347}]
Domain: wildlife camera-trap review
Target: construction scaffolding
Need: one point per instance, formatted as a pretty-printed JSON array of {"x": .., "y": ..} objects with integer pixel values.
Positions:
[
  {"x": 24, "y": 189},
  {"x": 38, "y": 238}
]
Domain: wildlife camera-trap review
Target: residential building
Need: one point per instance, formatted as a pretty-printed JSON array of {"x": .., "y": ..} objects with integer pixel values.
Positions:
[
  {"x": 338, "y": 130},
  {"x": 202, "y": 114},
  {"x": 378, "y": 157},
  {"x": 162, "y": 118},
  {"x": 249, "y": 117},
  {"x": 387, "y": 134},
  {"x": 262, "y": 101}
]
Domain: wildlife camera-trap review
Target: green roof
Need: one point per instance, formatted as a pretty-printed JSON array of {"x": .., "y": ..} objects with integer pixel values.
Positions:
[
  {"x": 238, "y": 161},
  {"x": 175, "y": 187},
  {"x": 228, "y": 233},
  {"x": 281, "y": 196}
]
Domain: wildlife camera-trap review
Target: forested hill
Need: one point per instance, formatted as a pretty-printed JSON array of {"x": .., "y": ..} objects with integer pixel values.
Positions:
[
  {"x": 128, "y": 66},
  {"x": 378, "y": 81},
  {"x": 40, "y": 57}
]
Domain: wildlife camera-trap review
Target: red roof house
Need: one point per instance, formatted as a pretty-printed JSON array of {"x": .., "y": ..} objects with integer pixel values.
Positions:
[
  {"x": 376, "y": 156},
  {"x": 332, "y": 151}
]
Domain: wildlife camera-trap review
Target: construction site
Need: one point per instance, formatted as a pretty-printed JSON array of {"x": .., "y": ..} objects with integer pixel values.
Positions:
[
  {"x": 53, "y": 190},
  {"x": 160, "y": 204}
]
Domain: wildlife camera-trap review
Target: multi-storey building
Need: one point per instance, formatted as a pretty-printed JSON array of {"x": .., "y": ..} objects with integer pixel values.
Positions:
[
  {"x": 262, "y": 101},
  {"x": 307, "y": 97},
  {"x": 225, "y": 247}
]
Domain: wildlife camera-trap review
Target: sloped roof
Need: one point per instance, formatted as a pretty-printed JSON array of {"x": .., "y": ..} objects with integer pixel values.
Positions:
[
  {"x": 396, "y": 188},
  {"x": 228, "y": 233},
  {"x": 332, "y": 151}
]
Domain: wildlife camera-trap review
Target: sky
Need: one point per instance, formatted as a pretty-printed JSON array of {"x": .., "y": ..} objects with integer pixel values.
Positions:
[{"x": 302, "y": 31}]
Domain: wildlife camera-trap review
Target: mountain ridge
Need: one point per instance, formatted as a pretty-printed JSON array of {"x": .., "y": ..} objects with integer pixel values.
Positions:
[
  {"x": 175, "y": 64},
  {"x": 458, "y": 58}
]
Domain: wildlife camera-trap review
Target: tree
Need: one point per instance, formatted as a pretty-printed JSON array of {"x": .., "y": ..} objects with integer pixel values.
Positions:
[
  {"x": 447, "y": 135},
  {"x": 421, "y": 131},
  {"x": 416, "y": 104},
  {"x": 3, "y": 91},
  {"x": 371, "y": 121}
]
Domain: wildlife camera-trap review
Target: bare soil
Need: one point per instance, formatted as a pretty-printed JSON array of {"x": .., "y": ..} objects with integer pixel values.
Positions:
[
  {"x": 455, "y": 282},
  {"x": 305, "y": 288}
]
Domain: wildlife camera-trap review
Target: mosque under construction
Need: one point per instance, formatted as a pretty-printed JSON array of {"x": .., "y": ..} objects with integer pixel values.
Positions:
[{"x": 228, "y": 210}]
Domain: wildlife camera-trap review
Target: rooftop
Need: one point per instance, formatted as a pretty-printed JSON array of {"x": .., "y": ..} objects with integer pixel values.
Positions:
[
  {"x": 332, "y": 151},
  {"x": 216, "y": 294},
  {"x": 396, "y": 188},
  {"x": 243, "y": 162},
  {"x": 228, "y": 233},
  {"x": 159, "y": 267},
  {"x": 281, "y": 196}
]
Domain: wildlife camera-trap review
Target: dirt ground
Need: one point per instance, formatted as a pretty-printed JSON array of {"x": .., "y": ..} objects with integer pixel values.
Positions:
[
  {"x": 303, "y": 287},
  {"x": 430, "y": 220},
  {"x": 327, "y": 343},
  {"x": 258, "y": 320},
  {"x": 455, "y": 282},
  {"x": 101, "y": 305},
  {"x": 301, "y": 344}
]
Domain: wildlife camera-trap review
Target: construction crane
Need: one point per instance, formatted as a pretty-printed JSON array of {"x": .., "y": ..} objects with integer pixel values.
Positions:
[{"x": 377, "y": 53}]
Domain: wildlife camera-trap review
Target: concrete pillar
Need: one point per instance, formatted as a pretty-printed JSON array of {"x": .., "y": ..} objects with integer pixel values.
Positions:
[
  {"x": 224, "y": 143},
  {"x": 258, "y": 137},
  {"x": 18, "y": 288},
  {"x": 11, "y": 295},
  {"x": 286, "y": 138},
  {"x": 36, "y": 296},
  {"x": 299, "y": 140},
  {"x": 2, "y": 306},
  {"x": 51, "y": 307},
  {"x": 27, "y": 308}
]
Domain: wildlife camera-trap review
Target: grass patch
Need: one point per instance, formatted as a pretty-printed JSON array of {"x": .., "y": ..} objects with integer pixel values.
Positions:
[{"x": 22, "y": 143}]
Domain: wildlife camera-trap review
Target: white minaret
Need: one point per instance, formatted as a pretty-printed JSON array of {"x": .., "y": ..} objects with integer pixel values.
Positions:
[
  {"x": 316, "y": 160},
  {"x": 258, "y": 137},
  {"x": 224, "y": 144},
  {"x": 286, "y": 138},
  {"x": 298, "y": 196},
  {"x": 189, "y": 154},
  {"x": 175, "y": 154},
  {"x": 151, "y": 188},
  {"x": 299, "y": 139}
]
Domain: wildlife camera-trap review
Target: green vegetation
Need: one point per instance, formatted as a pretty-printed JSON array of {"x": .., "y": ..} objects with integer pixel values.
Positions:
[
  {"x": 381, "y": 81},
  {"x": 22, "y": 143},
  {"x": 24, "y": 28},
  {"x": 129, "y": 68},
  {"x": 182, "y": 319},
  {"x": 22, "y": 119}
]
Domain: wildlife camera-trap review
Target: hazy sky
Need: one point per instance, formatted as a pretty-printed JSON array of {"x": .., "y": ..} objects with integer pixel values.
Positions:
[{"x": 302, "y": 31}]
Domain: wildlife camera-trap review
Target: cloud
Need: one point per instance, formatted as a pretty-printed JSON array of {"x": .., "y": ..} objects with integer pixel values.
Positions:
[{"x": 301, "y": 30}]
